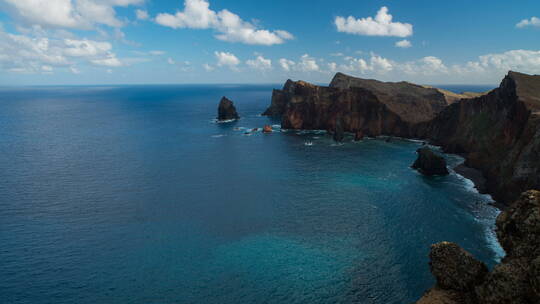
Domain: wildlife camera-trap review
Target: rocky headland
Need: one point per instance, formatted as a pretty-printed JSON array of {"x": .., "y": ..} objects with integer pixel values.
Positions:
[{"x": 496, "y": 132}]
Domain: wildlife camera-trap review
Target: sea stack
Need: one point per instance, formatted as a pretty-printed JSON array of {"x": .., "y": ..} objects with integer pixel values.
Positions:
[
  {"x": 429, "y": 163},
  {"x": 226, "y": 110},
  {"x": 338, "y": 131}
]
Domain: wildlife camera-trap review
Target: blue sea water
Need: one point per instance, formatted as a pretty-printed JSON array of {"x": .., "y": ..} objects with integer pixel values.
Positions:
[{"x": 133, "y": 194}]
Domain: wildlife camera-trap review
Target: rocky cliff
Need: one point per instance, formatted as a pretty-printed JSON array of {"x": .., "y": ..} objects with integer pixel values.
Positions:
[
  {"x": 498, "y": 133},
  {"x": 367, "y": 106},
  {"x": 461, "y": 279}
]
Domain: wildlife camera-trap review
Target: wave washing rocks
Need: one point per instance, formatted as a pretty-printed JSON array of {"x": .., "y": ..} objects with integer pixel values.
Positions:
[
  {"x": 430, "y": 163},
  {"x": 461, "y": 279},
  {"x": 498, "y": 133},
  {"x": 226, "y": 110}
]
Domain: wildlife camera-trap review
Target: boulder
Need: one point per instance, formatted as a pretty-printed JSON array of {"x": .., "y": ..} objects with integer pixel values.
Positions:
[
  {"x": 358, "y": 135},
  {"x": 454, "y": 268},
  {"x": 338, "y": 131},
  {"x": 226, "y": 110},
  {"x": 518, "y": 227},
  {"x": 267, "y": 129},
  {"x": 430, "y": 163}
]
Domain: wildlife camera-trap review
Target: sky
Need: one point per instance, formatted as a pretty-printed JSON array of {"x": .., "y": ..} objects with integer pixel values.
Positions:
[{"x": 85, "y": 42}]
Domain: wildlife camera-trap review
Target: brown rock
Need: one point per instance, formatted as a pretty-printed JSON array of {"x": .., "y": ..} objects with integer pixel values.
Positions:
[
  {"x": 518, "y": 227},
  {"x": 455, "y": 268},
  {"x": 358, "y": 135},
  {"x": 430, "y": 163},
  {"x": 226, "y": 110},
  {"x": 267, "y": 129}
]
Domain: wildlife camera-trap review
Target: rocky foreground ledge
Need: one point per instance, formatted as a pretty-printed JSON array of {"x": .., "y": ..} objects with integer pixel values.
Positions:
[
  {"x": 461, "y": 279},
  {"x": 498, "y": 132}
]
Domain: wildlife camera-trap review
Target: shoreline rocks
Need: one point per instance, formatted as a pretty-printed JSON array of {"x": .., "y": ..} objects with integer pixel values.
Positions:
[
  {"x": 463, "y": 279},
  {"x": 429, "y": 163},
  {"x": 226, "y": 110}
]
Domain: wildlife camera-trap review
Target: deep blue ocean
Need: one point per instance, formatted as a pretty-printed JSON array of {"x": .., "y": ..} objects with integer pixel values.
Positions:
[{"x": 134, "y": 194}]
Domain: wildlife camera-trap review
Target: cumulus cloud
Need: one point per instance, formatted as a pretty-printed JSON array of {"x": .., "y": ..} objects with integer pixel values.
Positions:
[
  {"x": 286, "y": 64},
  {"x": 381, "y": 25},
  {"x": 227, "y": 59},
  {"x": 208, "y": 67},
  {"x": 260, "y": 63},
  {"x": 156, "y": 53},
  {"x": 27, "y": 54},
  {"x": 403, "y": 44},
  {"x": 141, "y": 14},
  {"x": 306, "y": 63},
  {"x": 228, "y": 26},
  {"x": 534, "y": 21},
  {"x": 74, "y": 14}
]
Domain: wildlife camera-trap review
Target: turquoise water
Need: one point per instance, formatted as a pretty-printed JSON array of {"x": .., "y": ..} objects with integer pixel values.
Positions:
[{"x": 134, "y": 194}]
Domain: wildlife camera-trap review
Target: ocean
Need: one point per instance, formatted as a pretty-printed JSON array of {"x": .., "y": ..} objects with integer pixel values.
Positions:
[{"x": 134, "y": 194}]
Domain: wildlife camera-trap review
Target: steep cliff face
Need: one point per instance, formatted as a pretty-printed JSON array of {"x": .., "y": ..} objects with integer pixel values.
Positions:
[
  {"x": 463, "y": 279},
  {"x": 413, "y": 103},
  {"x": 498, "y": 133},
  {"x": 367, "y": 106}
]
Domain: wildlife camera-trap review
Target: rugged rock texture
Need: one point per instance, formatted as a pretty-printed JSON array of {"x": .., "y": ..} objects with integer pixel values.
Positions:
[
  {"x": 412, "y": 102},
  {"x": 302, "y": 105},
  {"x": 454, "y": 268},
  {"x": 462, "y": 279},
  {"x": 226, "y": 110},
  {"x": 498, "y": 133},
  {"x": 430, "y": 163},
  {"x": 338, "y": 130}
]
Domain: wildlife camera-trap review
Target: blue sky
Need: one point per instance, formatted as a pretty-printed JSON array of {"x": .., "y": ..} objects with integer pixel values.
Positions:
[{"x": 241, "y": 41}]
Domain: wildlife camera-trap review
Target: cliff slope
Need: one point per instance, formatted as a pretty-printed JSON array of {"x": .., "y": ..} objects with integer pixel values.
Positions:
[{"x": 498, "y": 133}]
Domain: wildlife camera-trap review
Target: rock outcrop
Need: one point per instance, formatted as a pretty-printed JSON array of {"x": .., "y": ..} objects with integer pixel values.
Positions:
[
  {"x": 429, "y": 162},
  {"x": 463, "y": 279},
  {"x": 226, "y": 110},
  {"x": 498, "y": 133}
]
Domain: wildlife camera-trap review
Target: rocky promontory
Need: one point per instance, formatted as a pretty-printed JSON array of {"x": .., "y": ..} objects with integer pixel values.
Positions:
[
  {"x": 461, "y": 279},
  {"x": 226, "y": 110},
  {"x": 498, "y": 132}
]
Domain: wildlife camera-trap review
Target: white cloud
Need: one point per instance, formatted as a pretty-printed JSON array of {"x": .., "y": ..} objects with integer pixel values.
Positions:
[
  {"x": 74, "y": 70},
  {"x": 75, "y": 14},
  {"x": 28, "y": 54},
  {"x": 156, "y": 53},
  {"x": 404, "y": 44},
  {"x": 260, "y": 63},
  {"x": 286, "y": 64},
  {"x": 229, "y": 26},
  {"x": 307, "y": 64},
  {"x": 227, "y": 59},
  {"x": 381, "y": 25},
  {"x": 208, "y": 67},
  {"x": 337, "y": 54},
  {"x": 534, "y": 21},
  {"x": 109, "y": 62},
  {"x": 141, "y": 14},
  {"x": 171, "y": 61}
]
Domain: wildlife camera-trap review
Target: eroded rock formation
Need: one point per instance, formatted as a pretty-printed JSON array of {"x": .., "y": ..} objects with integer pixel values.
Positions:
[
  {"x": 429, "y": 162},
  {"x": 463, "y": 279},
  {"x": 498, "y": 132},
  {"x": 226, "y": 110}
]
